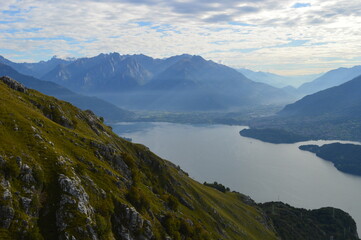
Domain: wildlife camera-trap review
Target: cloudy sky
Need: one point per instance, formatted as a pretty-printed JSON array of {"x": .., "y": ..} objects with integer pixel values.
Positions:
[{"x": 282, "y": 36}]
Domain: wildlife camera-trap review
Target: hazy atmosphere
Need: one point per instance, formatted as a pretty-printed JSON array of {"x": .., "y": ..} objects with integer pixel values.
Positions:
[
  {"x": 180, "y": 120},
  {"x": 284, "y": 37}
]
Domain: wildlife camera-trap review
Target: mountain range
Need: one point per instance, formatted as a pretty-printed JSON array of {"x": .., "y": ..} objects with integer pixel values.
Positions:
[
  {"x": 179, "y": 83},
  {"x": 276, "y": 80},
  {"x": 330, "y": 79},
  {"x": 306, "y": 84}
]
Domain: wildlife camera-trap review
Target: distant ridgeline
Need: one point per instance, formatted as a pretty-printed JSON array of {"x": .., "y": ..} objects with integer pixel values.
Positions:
[
  {"x": 179, "y": 83},
  {"x": 66, "y": 175}
]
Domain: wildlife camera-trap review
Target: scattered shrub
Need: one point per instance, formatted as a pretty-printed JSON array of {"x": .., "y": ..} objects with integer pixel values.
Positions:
[
  {"x": 218, "y": 186},
  {"x": 102, "y": 225},
  {"x": 138, "y": 199},
  {"x": 172, "y": 202},
  {"x": 11, "y": 169}
]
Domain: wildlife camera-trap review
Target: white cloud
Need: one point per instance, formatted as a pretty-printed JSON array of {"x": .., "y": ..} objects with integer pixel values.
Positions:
[{"x": 218, "y": 30}]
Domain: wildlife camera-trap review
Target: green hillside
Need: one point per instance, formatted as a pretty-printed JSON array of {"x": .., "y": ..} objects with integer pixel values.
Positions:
[{"x": 65, "y": 175}]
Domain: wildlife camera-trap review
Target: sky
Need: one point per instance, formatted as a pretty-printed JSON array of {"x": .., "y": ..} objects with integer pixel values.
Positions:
[{"x": 280, "y": 36}]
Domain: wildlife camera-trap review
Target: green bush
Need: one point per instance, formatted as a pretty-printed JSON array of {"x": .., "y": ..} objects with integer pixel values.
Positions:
[
  {"x": 218, "y": 186},
  {"x": 11, "y": 169},
  {"x": 138, "y": 199},
  {"x": 179, "y": 228},
  {"x": 102, "y": 225},
  {"x": 172, "y": 202}
]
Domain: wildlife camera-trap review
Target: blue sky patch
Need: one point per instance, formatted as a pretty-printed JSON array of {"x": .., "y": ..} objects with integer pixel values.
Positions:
[
  {"x": 301, "y": 5},
  {"x": 244, "y": 50},
  {"x": 292, "y": 43},
  {"x": 11, "y": 12},
  {"x": 241, "y": 24},
  {"x": 144, "y": 24}
]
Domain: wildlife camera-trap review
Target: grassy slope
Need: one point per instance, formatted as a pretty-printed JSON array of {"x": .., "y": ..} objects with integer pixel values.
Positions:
[{"x": 214, "y": 215}]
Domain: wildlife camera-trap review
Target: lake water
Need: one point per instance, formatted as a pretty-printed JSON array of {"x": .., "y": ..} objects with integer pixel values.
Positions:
[{"x": 264, "y": 171}]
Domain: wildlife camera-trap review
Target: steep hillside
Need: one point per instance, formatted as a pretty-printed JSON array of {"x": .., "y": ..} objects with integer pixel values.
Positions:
[
  {"x": 65, "y": 175},
  {"x": 336, "y": 102},
  {"x": 330, "y": 79},
  {"x": 334, "y": 113},
  {"x": 102, "y": 108}
]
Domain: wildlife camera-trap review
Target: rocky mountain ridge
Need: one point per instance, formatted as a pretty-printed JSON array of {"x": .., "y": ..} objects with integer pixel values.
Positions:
[{"x": 179, "y": 83}]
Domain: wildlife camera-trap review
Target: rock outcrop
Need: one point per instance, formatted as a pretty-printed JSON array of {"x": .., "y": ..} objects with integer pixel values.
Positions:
[
  {"x": 7, "y": 211},
  {"x": 128, "y": 224},
  {"x": 74, "y": 202},
  {"x": 13, "y": 84}
]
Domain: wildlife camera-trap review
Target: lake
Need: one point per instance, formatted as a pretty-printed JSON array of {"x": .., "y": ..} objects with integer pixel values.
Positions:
[{"x": 264, "y": 171}]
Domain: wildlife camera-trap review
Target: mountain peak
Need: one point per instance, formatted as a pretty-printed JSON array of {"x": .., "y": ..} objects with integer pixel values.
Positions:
[{"x": 198, "y": 58}]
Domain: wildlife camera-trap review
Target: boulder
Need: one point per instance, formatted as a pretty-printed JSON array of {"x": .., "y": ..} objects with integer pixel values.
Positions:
[
  {"x": 6, "y": 216},
  {"x": 13, "y": 84}
]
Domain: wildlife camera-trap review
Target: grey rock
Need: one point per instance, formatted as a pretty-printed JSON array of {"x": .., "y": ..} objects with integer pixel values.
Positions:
[
  {"x": 19, "y": 161},
  {"x": 93, "y": 121},
  {"x": 7, "y": 195},
  {"x": 103, "y": 193},
  {"x": 73, "y": 187},
  {"x": 26, "y": 174},
  {"x": 14, "y": 84},
  {"x": 27, "y": 190},
  {"x": 26, "y": 203},
  {"x": 67, "y": 236},
  {"x": 5, "y": 183},
  {"x": 64, "y": 121},
  {"x": 62, "y": 161},
  {"x": 6, "y": 216},
  {"x": 37, "y": 136},
  {"x": 129, "y": 224},
  {"x": 183, "y": 201},
  {"x": 190, "y": 222},
  {"x": 74, "y": 197},
  {"x": 111, "y": 155}
]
